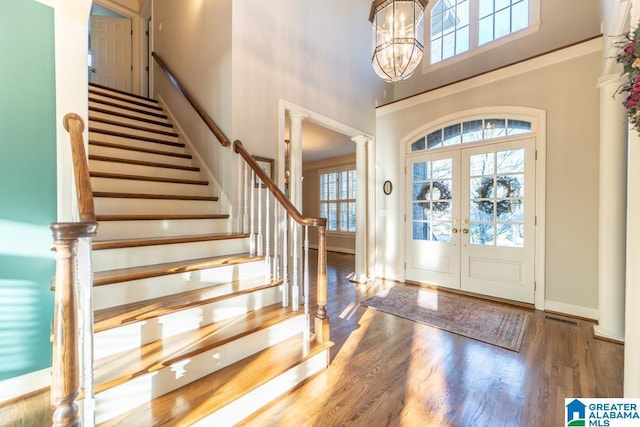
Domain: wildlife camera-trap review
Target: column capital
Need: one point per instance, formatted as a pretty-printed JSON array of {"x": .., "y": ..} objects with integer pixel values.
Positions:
[
  {"x": 361, "y": 140},
  {"x": 297, "y": 115}
]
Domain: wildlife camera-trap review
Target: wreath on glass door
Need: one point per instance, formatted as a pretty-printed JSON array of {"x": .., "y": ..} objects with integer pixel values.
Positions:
[
  {"x": 512, "y": 187},
  {"x": 444, "y": 194}
]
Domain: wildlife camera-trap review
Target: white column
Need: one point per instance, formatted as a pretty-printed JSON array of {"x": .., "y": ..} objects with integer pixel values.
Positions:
[
  {"x": 632, "y": 291},
  {"x": 612, "y": 212},
  {"x": 295, "y": 195},
  {"x": 360, "y": 275}
]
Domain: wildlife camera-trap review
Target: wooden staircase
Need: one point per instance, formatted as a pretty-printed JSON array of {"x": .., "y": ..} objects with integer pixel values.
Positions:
[{"x": 189, "y": 327}]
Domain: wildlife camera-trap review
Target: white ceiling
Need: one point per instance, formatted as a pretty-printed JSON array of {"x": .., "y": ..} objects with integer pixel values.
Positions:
[{"x": 320, "y": 143}]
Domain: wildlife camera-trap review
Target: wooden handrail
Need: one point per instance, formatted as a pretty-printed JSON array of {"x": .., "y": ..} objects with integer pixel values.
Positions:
[
  {"x": 275, "y": 190},
  {"x": 74, "y": 124},
  {"x": 208, "y": 121}
]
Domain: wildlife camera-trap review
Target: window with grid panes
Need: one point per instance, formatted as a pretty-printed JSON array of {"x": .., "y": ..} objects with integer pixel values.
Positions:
[{"x": 338, "y": 199}]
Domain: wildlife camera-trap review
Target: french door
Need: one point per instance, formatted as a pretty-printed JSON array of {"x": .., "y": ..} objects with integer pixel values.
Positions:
[{"x": 471, "y": 219}]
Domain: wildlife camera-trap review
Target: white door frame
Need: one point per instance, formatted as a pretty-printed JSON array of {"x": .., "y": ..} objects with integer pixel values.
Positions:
[
  {"x": 283, "y": 108},
  {"x": 537, "y": 117}
]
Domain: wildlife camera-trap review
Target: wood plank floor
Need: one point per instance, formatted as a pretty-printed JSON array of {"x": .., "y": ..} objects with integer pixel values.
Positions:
[{"x": 388, "y": 371}]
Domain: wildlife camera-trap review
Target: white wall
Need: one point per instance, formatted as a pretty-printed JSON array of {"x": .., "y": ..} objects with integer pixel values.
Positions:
[{"x": 567, "y": 92}]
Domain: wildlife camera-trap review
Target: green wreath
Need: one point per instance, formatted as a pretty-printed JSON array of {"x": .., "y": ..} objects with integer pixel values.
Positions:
[
  {"x": 510, "y": 183},
  {"x": 445, "y": 194}
]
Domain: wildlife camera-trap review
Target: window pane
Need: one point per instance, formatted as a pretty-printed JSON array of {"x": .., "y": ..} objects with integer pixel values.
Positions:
[
  {"x": 462, "y": 40},
  {"x": 421, "y": 171},
  {"x": 510, "y": 161},
  {"x": 519, "y": 16},
  {"x": 332, "y": 184},
  {"x": 485, "y": 8},
  {"x": 441, "y": 190},
  {"x": 472, "y": 131},
  {"x": 448, "y": 45},
  {"x": 437, "y": 8},
  {"x": 418, "y": 145},
  {"x": 344, "y": 215},
  {"x": 452, "y": 135},
  {"x": 481, "y": 188},
  {"x": 441, "y": 211},
  {"x": 323, "y": 187},
  {"x": 434, "y": 139},
  {"x": 352, "y": 184},
  {"x": 332, "y": 220},
  {"x": 421, "y": 191},
  {"x": 442, "y": 168},
  {"x": 441, "y": 232},
  {"x": 495, "y": 128},
  {"x": 421, "y": 231},
  {"x": 462, "y": 13},
  {"x": 502, "y": 23},
  {"x": 323, "y": 210},
  {"x": 510, "y": 210},
  {"x": 481, "y": 164},
  {"x": 421, "y": 211},
  {"x": 511, "y": 235},
  {"x": 436, "y": 50},
  {"x": 344, "y": 185},
  {"x": 481, "y": 211},
  {"x": 501, "y": 4},
  {"x": 485, "y": 30},
  {"x": 510, "y": 186},
  {"x": 516, "y": 127},
  {"x": 352, "y": 217},
  {"x": 481, "y": 234}
]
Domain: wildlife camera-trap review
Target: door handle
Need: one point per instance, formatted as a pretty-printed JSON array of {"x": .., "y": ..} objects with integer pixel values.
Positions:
[
  {"x": 93, "y": 70},
  {"x": 465, "y": 230},
  {"x": 454, "y": 230}
]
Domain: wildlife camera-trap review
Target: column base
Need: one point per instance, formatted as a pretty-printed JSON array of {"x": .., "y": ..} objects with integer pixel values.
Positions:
[
  {"x": 606, "y": 334},
  {"x": 359, "y": 278}
]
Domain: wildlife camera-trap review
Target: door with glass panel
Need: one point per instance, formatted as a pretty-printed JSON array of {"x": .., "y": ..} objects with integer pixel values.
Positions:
[
  {"x": 433, "y": 251},
  {"x": 498, "y": 220}
]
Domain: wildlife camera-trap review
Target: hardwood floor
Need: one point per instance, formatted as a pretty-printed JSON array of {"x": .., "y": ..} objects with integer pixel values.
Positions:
[{"x": 388, "y": 371}]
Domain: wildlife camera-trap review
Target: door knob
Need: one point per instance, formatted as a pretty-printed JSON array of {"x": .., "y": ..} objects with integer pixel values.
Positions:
[
  {"x": 93, "y": 70},
  {"x": 465, "y": 230},
  {"x": 454, "y": 230}
]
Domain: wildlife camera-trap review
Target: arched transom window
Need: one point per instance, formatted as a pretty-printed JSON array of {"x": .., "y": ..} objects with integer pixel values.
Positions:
[{"x": 470, "y": 131}]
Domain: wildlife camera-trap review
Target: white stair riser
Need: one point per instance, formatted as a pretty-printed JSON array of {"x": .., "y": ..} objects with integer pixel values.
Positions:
[
  {"x": 95, "y": 91},
  {"x": 138, "y": 155},
  {"x": 131, "y": 131},
  {"x": 138, "y": 186},
  {"x": 109, "y": 230},
  {"x": 131, "y": 336},
  {"x": 111, "y": 259},
  {"x": 142, "y": 389},
  {"x": 112, "y": 205},
  {"x": 251, "y": 402},
  {"x": 137, "y": 143},
  {"x": 93, "y": 104},
  {"x": 124, "y": 168},
  {"x": 154, "y": 287},
  {"x": 148, "y": 108},
  {"x": 108, "y": 116}
]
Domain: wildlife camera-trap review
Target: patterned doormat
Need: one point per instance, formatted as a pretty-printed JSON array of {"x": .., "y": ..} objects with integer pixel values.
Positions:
[{"x": 482, "y": 320}]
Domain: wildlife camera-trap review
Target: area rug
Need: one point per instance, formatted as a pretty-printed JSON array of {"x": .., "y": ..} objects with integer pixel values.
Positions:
[{"x": 486, "y": 321}]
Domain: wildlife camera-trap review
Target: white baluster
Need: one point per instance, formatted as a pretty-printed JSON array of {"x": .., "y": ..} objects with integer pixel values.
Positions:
[
  {"x": 285, "y": 260},
  {"x": 305, "y": 287},
  {"x": 276, "y": 236},
  {"x": 267, "y": 232},
  {"x": 245, "y": 219},
  {"x": 252, "y": 235},
  {"x": 260, "y": 245},
  {"x": 239, "y": 212},
  {"x": 295, "y": 288}
]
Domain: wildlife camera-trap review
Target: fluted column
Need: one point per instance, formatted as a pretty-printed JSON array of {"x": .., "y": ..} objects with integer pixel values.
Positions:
[
  {"x": 360, "y": 274},
  {"x": 612, "y": 212}
]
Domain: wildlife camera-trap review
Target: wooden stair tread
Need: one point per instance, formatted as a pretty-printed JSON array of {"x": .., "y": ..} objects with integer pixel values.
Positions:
[
  {"x": 121, "y": 367},
  {"x": 148, "y": 309},
  {"x": 154, "y": 270},
  {"x": 122, "y": 92},
  {"x": 139, "y": 149},
  {"x": 115, "y": 195},
  {"x": 142, "y": 163},
  {"x": 194, "y": 401},
  {"x": 157, "y": 217},
  {"x": 127, "y": 100},
  {"x": 124, "y": 107},
  {"x": 135, "y": 137},
  {"x": 129, "y": 243},
  {"x": 128, "y": 116},
  {"x": 147, "y": 178},
  {"x": 131, "y": 126}
]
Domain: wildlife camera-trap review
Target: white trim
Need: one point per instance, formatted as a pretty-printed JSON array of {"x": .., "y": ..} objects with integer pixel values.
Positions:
[
  {"x": 621, "y": 28},
  {"x": 572, "y": 310},
  {"x": 24, "y": 384},
  {"x": 538, "y": 119},
  {"x": 524, "y": 67},
  {"x": 50, "y": 3}
]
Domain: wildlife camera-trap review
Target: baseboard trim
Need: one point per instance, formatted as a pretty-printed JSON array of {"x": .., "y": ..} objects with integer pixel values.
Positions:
[
  {"x": 578, "y": 311},
  {"x": 24, "y": 385}
]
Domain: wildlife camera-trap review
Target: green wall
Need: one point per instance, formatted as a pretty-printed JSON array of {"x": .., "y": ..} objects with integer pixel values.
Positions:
[{"x": 27, "y": 185}]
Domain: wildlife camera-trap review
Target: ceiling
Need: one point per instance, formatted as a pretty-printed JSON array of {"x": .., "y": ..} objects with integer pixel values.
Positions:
[{"x": 320, "y": 143}]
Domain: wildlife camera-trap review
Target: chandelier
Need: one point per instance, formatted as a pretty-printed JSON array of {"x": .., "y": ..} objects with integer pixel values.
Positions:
[{"x": 398, "y": 33}]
